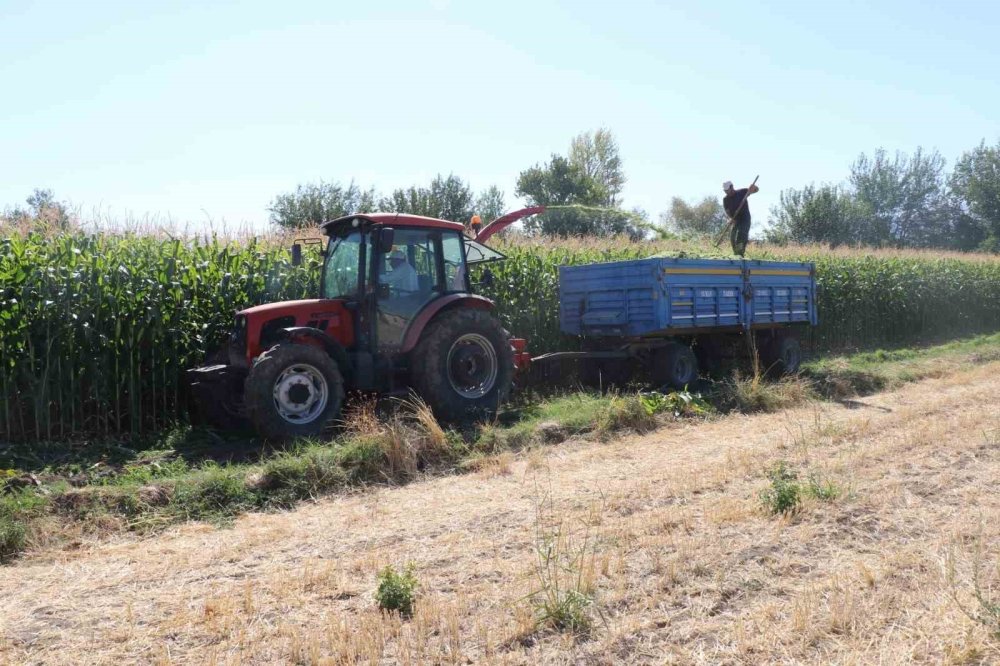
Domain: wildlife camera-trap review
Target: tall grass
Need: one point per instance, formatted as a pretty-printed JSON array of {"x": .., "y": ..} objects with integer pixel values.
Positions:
[{"x": 96, "y": 329}]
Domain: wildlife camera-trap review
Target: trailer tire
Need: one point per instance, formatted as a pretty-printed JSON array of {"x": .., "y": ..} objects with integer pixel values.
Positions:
[
  {"x": 293, "y": 390},
  {"x": 463, "y": 366},
  {"x": 674, "y": 365},
  {"x": 784, "y": 356}
]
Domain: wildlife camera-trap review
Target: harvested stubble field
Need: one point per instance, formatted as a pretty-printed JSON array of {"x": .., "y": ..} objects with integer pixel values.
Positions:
[{"x": 666, "y": 530}]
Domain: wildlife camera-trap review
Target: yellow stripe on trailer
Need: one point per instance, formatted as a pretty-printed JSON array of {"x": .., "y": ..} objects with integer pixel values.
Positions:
[
  {"x": 777, "y": 271},
  {"x": 703, "y": 271}
]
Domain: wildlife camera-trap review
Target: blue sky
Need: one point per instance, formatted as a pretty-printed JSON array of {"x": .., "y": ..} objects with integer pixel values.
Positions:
[{"x": 204, "y": 111}]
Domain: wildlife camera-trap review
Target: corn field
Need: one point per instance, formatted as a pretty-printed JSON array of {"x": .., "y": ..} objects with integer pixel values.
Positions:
[
  {"x": 96, "y": 330},
  {"x": 864, "y": 300}
]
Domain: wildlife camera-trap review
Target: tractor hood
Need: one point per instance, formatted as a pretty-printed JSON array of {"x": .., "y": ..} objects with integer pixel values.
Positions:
[
  {"x": 307, "y": 304},
  {"x": 263, "y": 325}
]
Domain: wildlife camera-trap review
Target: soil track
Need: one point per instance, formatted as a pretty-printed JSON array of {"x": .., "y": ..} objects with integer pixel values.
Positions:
[{"x": 687, "y": 567}]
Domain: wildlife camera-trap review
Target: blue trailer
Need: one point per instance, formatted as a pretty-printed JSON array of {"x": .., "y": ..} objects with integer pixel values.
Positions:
[{"x": 676, "y": 315}]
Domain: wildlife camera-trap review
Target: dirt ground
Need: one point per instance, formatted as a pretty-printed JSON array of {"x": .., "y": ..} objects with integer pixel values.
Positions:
[{"x": 668, "y": 528}]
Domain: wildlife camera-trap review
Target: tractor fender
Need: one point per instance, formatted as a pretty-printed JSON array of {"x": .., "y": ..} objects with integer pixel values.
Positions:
[
  {"x": 419, "y": 323},
  {"x": 313, "y": 336}
]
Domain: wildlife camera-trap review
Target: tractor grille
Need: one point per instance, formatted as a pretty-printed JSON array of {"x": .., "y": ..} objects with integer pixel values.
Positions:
[{"x": 238, "y": 342}]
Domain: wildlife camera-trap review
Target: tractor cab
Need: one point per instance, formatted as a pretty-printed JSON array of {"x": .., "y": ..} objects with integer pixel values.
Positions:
[
  {"x": 395, "y": 314},
  {"x": 390, "y": 268}
]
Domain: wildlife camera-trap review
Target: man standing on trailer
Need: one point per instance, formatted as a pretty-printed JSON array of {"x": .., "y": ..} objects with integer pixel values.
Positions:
[{"x": 739, "y": 215}]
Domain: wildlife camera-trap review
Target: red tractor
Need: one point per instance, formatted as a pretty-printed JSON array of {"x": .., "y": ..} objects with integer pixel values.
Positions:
[{"x": 395, "y": 313}]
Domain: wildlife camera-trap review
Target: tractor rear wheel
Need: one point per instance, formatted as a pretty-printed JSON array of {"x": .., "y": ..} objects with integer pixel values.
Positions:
[
  {"x": 293, "y": 390},
  {"x": 463, "y": 365},
  {"x": 674, "y": 365}
]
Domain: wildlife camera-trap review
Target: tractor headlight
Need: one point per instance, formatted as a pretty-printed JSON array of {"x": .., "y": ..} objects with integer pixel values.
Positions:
[{"x": 239, "y": 335}]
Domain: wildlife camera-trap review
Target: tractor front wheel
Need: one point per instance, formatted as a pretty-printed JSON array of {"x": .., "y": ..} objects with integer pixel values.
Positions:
[
  {"x": 463, "y": 366},
  {"x": 293, "y": 390}
]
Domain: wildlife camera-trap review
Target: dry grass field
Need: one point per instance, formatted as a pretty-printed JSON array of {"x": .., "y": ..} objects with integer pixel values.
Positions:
[{"x": 665, "y": 533}]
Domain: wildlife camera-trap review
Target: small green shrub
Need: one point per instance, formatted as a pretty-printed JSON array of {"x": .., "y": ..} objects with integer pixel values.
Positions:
[
  {"x": 678, "y": 403},
  {"x": 986, "y": 607},
  {"x": 822, "y": 489},
  {"x": 144, "y": 472},
  {"x": 363, "y": 459},
  {"x": 307, "y": 474},
  {"x": 624, "y": 413},
  {"x": 214, "y": 493},
  {"x": 16, "y": 510},
  {"x": 784, "y": 494},
  {"x": 13, "y": 538},
  {"x": 397, "y": 590}
]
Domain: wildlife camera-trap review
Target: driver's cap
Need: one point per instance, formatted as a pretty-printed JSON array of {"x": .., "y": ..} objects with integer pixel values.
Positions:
[{"x": 726, "y": 186}]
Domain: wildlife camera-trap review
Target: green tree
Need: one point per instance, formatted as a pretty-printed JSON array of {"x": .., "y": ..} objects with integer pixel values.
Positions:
[
  {"x": 596, "y": 155},
  {"x": 904, "y": 198},
  {"x": 448, "y": 198},
  {"x": 312, "y": 204},
  {"x": 975, "y": 182},
  {"x": 43, "y": 209},
  {"x": 589, "y": 181},
  {"x": 562, "y": 183},
  {"x": 823, "y": 214},
  {"x": 491, "y": 204},
  {"x": 704, "y": 218}
]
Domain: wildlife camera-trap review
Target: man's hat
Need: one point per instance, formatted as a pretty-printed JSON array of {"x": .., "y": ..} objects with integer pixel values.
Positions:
[
  {"x": 726, "y": 186},
  {"x": 397, "y": 254}
]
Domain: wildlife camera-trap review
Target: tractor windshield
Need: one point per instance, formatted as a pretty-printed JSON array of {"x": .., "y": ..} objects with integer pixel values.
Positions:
[
  {"x": 342, "y": 267},
  {"x": 477, "y": 253}
]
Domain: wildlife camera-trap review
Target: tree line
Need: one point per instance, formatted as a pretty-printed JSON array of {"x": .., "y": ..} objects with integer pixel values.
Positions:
[
  {"x": 583, "y": 188},
  {"x": 900, "y": 200},
  {"x": 886, "y": 200}
]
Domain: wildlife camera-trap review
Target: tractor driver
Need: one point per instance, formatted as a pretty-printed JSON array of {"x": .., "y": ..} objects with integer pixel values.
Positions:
[{"x": 401, "y": 277}]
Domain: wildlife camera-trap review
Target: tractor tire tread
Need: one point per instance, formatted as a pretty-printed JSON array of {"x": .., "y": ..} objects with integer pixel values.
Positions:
[
  {"x": 259, "y": 391},
  {"x": 429, "y": 372}
]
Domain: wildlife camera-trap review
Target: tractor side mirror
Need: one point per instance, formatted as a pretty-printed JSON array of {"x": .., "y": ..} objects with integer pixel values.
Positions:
[
  {"x": 386, "y": 237},
  {"x": 297, "y": 254},
  {"x": 486, "y": 280}
]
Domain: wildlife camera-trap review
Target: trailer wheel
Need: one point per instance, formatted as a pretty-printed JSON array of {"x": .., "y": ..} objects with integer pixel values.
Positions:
[
  {"x": 784, "y": 356},
  {"x": 293, "y": 390},
  {"x": 463, "y": 365},
  {"x": 674, "y": 365}
]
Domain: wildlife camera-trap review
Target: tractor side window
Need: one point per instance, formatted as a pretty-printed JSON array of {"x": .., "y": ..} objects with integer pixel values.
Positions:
[
  {"x": 455, "y": 276},
  {"x": 408, "y": 280},
  {"x": 340, "y": 272}
]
